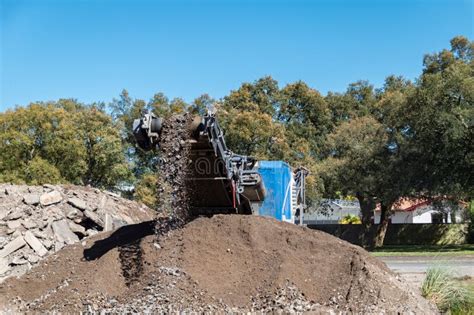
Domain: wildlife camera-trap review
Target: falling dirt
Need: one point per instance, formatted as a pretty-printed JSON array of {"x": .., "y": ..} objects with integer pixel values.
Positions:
[
  {"x": 227, "y": 262},
  {"x": 174, "y": 162}
]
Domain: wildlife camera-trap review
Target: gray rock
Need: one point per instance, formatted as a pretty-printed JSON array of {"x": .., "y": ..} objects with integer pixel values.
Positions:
[
  {"x": 13, "y": 225},
  {"x": 48, "y": 244},
  {"x": 94, "y": 217},
  {"x": 13, "y": 246},
  {"x": 91, "y": 232},
  {"x": 40, "y": 234},
  {"x": 4, "y": 266},
  {"x": 78, "y": 203},
  {"x": 102, "y": 203},
  {"x": 14, "y": 215},
  {"x": 63, "y": 233},
  {"x": 49, "y": 187},
  {"x": 118, "y": 223},
  {"x": 28, "y": 224},
  {"x": 71, "y": 214},
  {"x": 11, "y": 190},
  {"x": 58, "y": 246},
  {"x": 76, "y": 228},
  {"x": 32, "y": 258},
  {"x": 35, "y": 244},
  {"x": 50, "y": 198},
  {"x": 109, "y": 222},
  {"x": 31, "y": 199},
  {"x": 19, "y": 261},
  {"x": 112, "y": 194}
]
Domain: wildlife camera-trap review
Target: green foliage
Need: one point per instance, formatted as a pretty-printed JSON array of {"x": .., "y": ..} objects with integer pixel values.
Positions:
[
  {"x": 146, "y": 190},
  {"x": 350, "y": 219},
  {"x": 440, "y": 122},
  {"x": 60, "y": 142},
  {"x": 440, "y": 287}
]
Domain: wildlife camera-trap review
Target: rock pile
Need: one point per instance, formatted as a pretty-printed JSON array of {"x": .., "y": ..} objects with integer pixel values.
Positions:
[{"x": 38, "y": 220}]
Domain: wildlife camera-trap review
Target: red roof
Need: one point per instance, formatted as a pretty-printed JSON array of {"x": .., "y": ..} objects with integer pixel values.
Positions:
[{"x": 407, "y": 204}]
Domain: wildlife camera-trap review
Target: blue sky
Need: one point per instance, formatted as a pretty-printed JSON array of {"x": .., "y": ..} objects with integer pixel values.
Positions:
[{"x": 91, "y": 50}]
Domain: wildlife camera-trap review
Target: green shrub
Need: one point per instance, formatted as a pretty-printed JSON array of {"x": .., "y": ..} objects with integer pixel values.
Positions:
[
  {"x": 446, "y": 292},
  {"x": 350, "y": 219}
]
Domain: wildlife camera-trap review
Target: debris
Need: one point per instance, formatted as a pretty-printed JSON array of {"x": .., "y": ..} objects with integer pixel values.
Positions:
[
  {"x": 94, "y": 217},
  {"x": 109, "y": 225},
  {"x": 50, "y": 198},
  {"x": 31, "y": 199},
  {"x": 14, "y": 215},
  {"x": 29, "y": 224},
  {"x": 76, "y": 228},
  {"x": 14, "y": 224},
  {"x": 78, "y": 203},
  {"x": 4, "y": 266},
  {"x": 63, "y": 233},
  {"x": 35, "y": 244},
  {"x": 13, "y": 246},
  {"x": 48, "y": 244},
  {"x": 19, "y": 261},
  {"x": 33, "y": 259}
]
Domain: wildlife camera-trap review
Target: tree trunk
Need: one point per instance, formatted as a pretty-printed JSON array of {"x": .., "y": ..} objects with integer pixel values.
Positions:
[
  {"x": 453, "y": 215},
  {"x": 367, "y": 206},
  {"x": 383, "y": 225}
]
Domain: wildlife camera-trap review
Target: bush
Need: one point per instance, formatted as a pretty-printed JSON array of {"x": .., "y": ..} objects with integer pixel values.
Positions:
[
  {"x": 441, "y": 288},
  {"x": 350, "y": 219}
]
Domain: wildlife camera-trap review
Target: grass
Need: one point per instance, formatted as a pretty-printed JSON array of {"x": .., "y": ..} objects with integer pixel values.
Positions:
[
  {"x": 448, "y": 293},
  {"x": 425, "y": 250}
]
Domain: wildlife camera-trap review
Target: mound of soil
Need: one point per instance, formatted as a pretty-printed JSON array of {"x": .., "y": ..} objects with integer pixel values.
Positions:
[{"x": 227, "y": 262}]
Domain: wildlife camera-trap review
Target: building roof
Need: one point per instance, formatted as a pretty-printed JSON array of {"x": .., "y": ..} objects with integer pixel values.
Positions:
[{"x": 407, "y": 204}]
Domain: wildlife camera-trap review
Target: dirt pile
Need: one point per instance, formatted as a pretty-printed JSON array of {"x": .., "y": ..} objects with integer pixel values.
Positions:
[
  {"x": 36, "y": 221},
  {"x": 230, "y": 263}
]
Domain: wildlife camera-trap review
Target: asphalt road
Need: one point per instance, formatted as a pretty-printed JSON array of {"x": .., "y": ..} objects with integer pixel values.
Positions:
[{"x": 413, "y": 268}]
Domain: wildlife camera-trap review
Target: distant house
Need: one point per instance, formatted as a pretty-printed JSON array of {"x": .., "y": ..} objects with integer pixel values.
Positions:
[
  {"x": 418, "y": 211},
  {"x": 331, "y": 211}
]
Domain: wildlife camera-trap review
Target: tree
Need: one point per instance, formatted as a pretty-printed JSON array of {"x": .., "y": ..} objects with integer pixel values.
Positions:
[
  {"x": 440, "y": 123},
  {"x": 59, "y": 142},
  {"x": 363, "y": 153},
  {"x": 201, "y": 104}
]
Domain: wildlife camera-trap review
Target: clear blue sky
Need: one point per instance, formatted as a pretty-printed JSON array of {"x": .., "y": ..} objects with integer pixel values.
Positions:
[{"x": 91, "y": 50}]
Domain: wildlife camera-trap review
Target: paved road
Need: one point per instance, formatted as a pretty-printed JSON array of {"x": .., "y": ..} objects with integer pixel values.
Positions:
[{"x": 413, "y": 268}]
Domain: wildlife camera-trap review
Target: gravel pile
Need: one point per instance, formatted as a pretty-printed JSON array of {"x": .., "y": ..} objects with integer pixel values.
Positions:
[{"x": 36, "y": 221}]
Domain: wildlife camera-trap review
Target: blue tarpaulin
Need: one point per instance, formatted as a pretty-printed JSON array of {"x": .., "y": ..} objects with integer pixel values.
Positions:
[{"x": 277, "y": 179}]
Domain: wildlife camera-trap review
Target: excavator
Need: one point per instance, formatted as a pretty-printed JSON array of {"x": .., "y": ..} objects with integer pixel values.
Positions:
[{"x": 223, "y": 182}]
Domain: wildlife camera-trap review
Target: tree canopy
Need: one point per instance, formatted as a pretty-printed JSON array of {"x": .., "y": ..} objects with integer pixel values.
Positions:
[{"x": 61, "y": 142}]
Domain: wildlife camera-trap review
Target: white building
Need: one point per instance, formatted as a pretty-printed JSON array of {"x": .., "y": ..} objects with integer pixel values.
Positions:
[
  {"x": 405, "y": 211},
  {"x": 416, "y": 211}
]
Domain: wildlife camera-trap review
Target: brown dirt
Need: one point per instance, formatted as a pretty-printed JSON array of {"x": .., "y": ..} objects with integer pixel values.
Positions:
[{"x": 230, "y": 263}]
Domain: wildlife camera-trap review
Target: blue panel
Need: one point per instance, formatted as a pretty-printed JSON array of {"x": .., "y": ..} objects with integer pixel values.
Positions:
[{"x": 276, "y": 178}]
